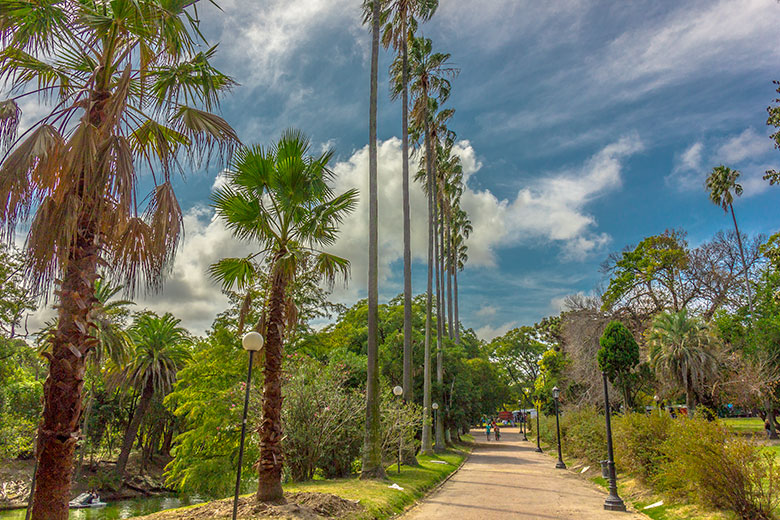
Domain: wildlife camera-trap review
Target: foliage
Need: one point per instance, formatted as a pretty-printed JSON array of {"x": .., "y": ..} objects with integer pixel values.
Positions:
[
  {"x": 551, "y": 368},
  {"x": 618, "y": 356},
  {"x": 20, "y": 397},
  {"x": 322, "y": 419},
  {"x": 16, "y": 299},
  {"x": 639, "y": 439},
  {"x": 518, "y": 353},
  {"x": 773, "y": 176}
]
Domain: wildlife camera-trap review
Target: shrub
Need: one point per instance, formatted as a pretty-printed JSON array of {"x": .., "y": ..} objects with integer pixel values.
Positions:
[
  {"x": 638, "y": 440},
  {"x": 703, "y": 461},
  {"x": 583, "y": 432}
]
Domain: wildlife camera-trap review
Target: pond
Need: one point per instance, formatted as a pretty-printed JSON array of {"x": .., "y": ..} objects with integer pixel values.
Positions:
[{"x": 118, "y": 510}]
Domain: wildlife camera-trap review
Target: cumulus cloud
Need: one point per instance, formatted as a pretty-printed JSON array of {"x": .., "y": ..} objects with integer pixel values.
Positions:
[{"x": 489, "y": 332}]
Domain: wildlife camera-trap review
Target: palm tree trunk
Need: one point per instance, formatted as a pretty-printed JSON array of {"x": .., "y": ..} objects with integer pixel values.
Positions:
[
  {"x": 427, "y": 446},
  {"x": 372, "y": 443},
  {"x": 59, "y": 426},
  {"x": 84, "y": 433},
  {"x": 744, "y": 263},
  {"x": 269, "y": 467},
  {"x": 439, "y": 444},
  {"x": 455, "y": 299},
  {"x": 408, "y": 354},
  {"x": 448, "y": 271},
  {"x": 689, "y": 402},
  {"x": 132, "y": 429}
]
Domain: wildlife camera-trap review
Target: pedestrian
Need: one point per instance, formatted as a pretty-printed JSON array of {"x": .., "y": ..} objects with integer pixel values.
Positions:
[
  {"x": 768, "y": 429},
  {"x": 487, "y": 429},
  {"x": 498, "y": 433}
]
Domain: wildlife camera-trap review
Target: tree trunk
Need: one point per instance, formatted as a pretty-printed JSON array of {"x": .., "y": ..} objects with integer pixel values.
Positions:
[
  {"x": 132, "y": 430},
  {"x": 455, "y": 300},
  {"x": 59, "y": 427},
  {"x": 427, "y": 444},
  {"x": 439, "y": 443},
  {"x": 269, "y": 467},
  {"x": 448, "y": 271},
  {"x": 689, "y": 402},
  {"x": 84, "y": 434},
  {"x": 744, "y": 263},
  {"x": 372, "y": 442},
  {"x": 408, "y": 354}
]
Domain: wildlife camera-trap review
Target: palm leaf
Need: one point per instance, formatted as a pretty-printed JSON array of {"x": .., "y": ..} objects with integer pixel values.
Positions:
[{"x": 238, "y": 273}]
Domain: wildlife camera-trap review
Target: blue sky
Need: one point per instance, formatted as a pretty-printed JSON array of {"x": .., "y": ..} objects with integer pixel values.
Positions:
[{"x": 584, "y": 125}]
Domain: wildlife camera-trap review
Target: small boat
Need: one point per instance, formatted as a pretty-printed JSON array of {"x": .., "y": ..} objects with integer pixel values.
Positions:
[{"x": 86, "y": 500}]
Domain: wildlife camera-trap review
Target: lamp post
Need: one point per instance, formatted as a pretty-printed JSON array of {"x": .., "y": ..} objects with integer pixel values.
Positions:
[
  {"x": 435, "y": 407},
  {"x": 520, "y": 403},
  {"x": 538, "y": 432},
  {"x": 252, "y": 342},
  {"x": 657, "y": 404},
  {"x": 398, "y": 391},
  {"x": 613, "y": 501},
  {"x": 556, "y": 393}
]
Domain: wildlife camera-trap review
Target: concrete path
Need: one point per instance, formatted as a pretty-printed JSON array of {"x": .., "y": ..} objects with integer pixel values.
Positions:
[{"x": 509, "y": 480}]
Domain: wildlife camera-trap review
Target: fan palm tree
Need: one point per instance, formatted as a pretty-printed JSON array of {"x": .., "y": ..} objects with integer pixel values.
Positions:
[
  {"x": 128, "y": 83},
  {"x": 372, "y": 444},
  {"x": 399, "y": 29},
  {"x": 720, "y": 183},
  {"x": 281, "y": 198},
  {"x": 682, "y": 349},
  {"x": 463, "y": 229},
  {"x": 161, "y": 350}
]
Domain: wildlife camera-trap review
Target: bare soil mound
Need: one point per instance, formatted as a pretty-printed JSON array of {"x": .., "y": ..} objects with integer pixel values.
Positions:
[{"x": 296, "y": 506}]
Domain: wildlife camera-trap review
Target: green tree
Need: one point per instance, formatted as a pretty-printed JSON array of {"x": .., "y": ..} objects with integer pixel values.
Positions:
[
  {"x": 124, "y": 78},
  {"x": 161, "y": 349},
  {"x": 773, "y": 176},
  {"x": 518, "y": 353},
  {"x": 16, "y": 298},
  {"x": 279, "y": 197},
  {"x": 399, "y": 29},
  {"x": 617, "y": 357},
  {"x": 682, "y": 349},
  {"x": 720, "y": 183}
]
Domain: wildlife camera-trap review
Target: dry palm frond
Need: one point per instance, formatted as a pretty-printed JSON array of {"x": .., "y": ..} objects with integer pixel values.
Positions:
[
  {"x": 10, "y": 114},
  {"x": 165, "y": 218}
]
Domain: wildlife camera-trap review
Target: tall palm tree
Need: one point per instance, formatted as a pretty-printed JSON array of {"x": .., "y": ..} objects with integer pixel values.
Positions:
[
  {"x": 720, "y": 183},
  {"x": 462, "y": 227},
  {"x": 129, "y": 83},
  {"x": 682, "y": 348},
  {"x": 280, "y": 197},
  {"x": 398, "y": 30},
  {"x": 161, "y": 350},
  {"x": 372, "y": 444},
  {"x": 428, "y": 72}
]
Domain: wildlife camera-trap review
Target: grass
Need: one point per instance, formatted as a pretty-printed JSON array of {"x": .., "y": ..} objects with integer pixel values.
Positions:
[
  {"x": 744, "y": 425},
  {"x": 377, "y": 497},
  {"x": 381, "y": 501}
]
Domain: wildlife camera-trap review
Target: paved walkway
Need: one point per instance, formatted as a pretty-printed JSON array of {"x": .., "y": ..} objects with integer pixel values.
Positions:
[{"x": 508, "y": 479}]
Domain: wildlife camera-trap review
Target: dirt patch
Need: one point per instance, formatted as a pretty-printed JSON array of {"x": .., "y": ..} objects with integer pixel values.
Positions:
[{"x": 296, "y": 506}]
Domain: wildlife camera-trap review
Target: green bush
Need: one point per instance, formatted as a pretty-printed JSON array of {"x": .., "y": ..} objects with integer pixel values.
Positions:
[
  {"x": 583, "y": 432},
  {"x": 702, "y": 461},
  {"x": 638, "y": 441}
]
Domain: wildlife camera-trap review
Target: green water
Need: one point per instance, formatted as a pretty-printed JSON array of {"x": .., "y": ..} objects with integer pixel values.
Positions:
[{"x": 118, "y": 510}]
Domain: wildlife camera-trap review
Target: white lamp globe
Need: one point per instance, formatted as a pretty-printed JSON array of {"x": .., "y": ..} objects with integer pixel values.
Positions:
[
  {"x": 397, "y": 390},
  {"x": 435, "y": 406},
  {"x": 252, "y": 341},
  {"x": 555, "y": 392}
]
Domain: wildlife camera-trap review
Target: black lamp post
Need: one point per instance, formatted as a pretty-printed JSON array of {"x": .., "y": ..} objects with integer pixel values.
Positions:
[
  {"x": 520, "y": 402},
  {"x": 613, "y": 501},
  {"x": 538, "y": 431},
  {"x": 398, "y": 391},
  {"x": 556, "y": 393},
  {"x": 252, "y": 342}
]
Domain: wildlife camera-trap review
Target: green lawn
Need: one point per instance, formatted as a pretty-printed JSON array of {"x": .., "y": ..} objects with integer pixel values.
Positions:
[{"x": 744, "y": 424}]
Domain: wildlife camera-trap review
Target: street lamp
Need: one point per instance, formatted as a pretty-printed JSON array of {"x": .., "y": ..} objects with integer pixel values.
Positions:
[
  {"x": 556, "y": 393},
  {"x": 538, "y": 431},
  {"x": 435, "y": 407},
  {"x": 613, "y": 501},
  {"x": 520, "y": 403},
  {"x": 397, "y": 391},
  {"x": 657, "y": 404},
  {"x": 252, "y": 342}
]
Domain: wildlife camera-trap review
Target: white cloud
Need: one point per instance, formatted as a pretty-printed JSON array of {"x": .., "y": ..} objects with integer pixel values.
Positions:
[
  {"x": 489, "y": 332},
  {"x": 487, "y": 311},
  {"x": 747, "y": 145}
]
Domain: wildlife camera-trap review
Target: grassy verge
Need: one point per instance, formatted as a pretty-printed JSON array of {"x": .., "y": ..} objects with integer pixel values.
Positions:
[
  {"x": 744, "y": 425},
  {"x": 377, "y": 497}
]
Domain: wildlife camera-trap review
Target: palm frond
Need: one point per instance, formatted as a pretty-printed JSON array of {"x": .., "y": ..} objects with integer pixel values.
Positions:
[
  {"x": 238, "y": 273},
  {"x": 207, "y": 132}
]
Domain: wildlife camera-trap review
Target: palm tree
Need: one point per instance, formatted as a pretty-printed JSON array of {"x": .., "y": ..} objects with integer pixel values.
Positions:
[
  {"x": 281, "y": 198},
  {"x": 397, "y": 32},
  {"x": 681, "y": 348},
  {"x": 129, "y": 83},
  {"x": 372, "y": 443},
  {"x": 720, "y": 184},
  {"x": 161, "y": 350},
  {"x": 428, "y": 72},
  {"x": 463, "y": 229}
]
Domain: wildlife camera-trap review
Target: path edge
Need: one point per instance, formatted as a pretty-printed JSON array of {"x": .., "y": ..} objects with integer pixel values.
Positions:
[{"x": 438, "y": 486}]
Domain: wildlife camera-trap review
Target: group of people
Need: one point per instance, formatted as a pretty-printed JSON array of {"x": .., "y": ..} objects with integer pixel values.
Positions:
[{"x": 491, "y": 424}]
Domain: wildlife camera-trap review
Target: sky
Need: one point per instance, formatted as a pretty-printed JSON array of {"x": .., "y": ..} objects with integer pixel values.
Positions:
[{"x": 583, "y": 127}]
